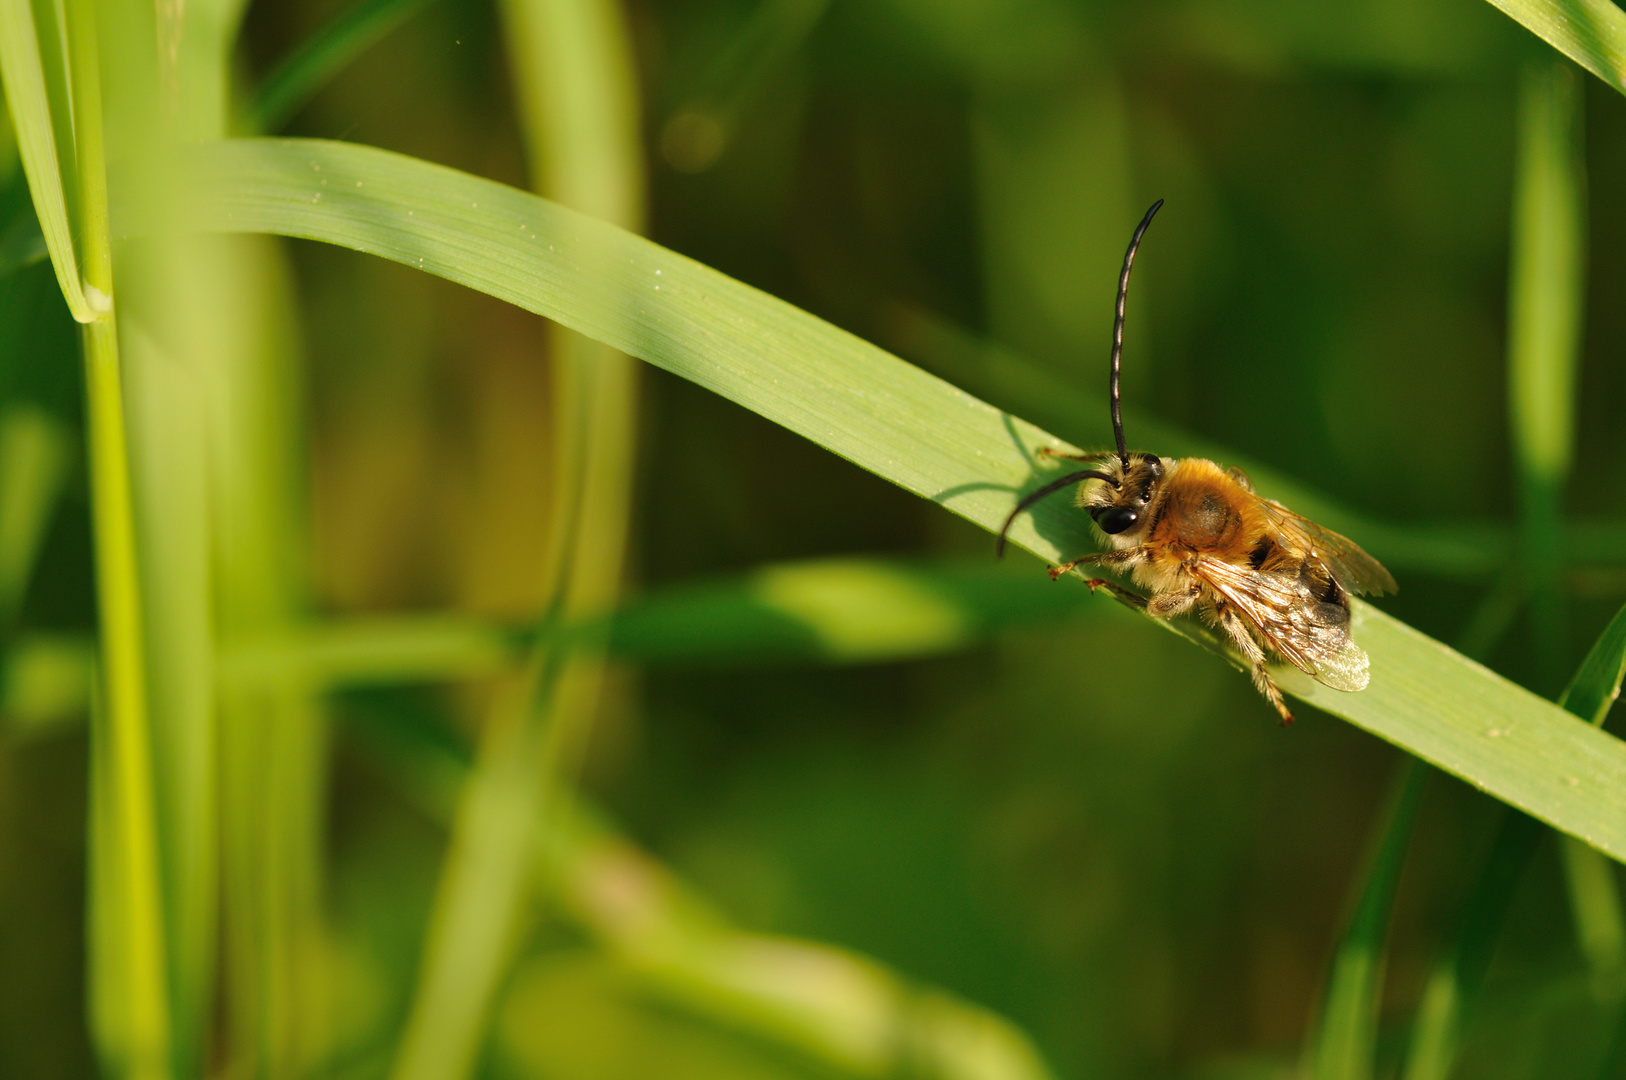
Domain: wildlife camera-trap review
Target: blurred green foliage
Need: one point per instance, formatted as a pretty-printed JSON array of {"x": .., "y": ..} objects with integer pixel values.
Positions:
[{"x": 957, "y": 828}]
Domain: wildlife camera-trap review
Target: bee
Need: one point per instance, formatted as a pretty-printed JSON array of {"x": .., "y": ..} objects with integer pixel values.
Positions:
[{"x": 1196, "y": 536}]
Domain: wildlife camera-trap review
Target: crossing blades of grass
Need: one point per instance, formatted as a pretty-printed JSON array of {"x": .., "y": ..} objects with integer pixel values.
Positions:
[
  {"x": 1595, "y": 905},
  {"x": 1456, "y": 978},
  {"x": 867, "y": 406}
]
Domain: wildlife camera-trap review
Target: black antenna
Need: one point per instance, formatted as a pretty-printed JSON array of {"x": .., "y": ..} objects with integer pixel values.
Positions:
[
  {"x": 1049, "y": 489},
  {"x": 1118, "y": 330}
]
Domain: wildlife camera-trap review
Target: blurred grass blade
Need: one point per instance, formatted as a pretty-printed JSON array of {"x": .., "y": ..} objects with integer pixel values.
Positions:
[
  {"x": 50, "y": 167},
  {"x": 841, "y": 611},
  {"x": 1547, "y": 281},
  {"x": 573, "y": 71},
  {"x": 1455, "y": 980},
  {"x": 22, "y": 246},
  {"x": 297, "y": 78},
  {"x": 1344, "y": 1041},
  {"x": 842, "y": 1010},
  {"x": 698, "y": 131},
  {"x": 45, "y": 681},
  {"x": 859, "y": 402},
  {"x": 34, "y": 456},
  {"x": 1590, "y": 32},
  {"x": 1546, "y": 290}
]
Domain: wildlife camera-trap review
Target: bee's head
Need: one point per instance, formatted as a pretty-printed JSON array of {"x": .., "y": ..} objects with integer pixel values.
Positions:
[
  {"x": 1123, "y": 498},
  {"x": 1121, "y": 495}
]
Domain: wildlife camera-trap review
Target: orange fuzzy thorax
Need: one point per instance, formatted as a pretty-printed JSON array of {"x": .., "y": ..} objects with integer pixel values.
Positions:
[{"x": 1203, "y": 510}]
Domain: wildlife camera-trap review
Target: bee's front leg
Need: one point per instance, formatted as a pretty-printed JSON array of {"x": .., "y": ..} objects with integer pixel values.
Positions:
[
  {"x": 1115, "y": 560},
  {"x": 1123, "y": 594}
]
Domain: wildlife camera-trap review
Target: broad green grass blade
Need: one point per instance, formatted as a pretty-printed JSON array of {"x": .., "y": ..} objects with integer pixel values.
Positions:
[
  {"x": 1344, "y": 1041},
  {"x": 296, "y": 79},
  {"x": 1590, "y": 32},
  {"x": 30, "y": 99},
  {"x": 861, "y": 403},
  {"x": 34, "y": 457}
]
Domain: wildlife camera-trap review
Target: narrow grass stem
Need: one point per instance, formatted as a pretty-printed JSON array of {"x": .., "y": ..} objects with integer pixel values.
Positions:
[{"x": 141, "y": 1047}]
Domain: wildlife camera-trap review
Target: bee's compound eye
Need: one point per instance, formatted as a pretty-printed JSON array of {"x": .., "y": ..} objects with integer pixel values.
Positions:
[{"x": 1115, "y": 519}]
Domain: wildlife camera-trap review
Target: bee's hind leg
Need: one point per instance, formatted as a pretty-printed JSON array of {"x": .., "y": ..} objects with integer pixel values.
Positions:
[
  {"x": 1168, "y": 605},
  {"x": 1255, "y": 655}
]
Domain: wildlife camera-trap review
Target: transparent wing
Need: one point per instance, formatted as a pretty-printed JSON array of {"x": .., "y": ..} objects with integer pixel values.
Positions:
[
  {"x": 1352, "y": 568},
  {"x": 1287, "y": 609}
]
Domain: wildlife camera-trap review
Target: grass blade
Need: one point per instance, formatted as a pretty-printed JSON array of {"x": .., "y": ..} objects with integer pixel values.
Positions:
[
  {"x": 1345, "y": 1038},
  {"x": 840, "y": 611},
  {"x": 34, "y": 457},
  {"x": 1600, "y": 927},
  {"x": 1456, "y": 978},
  {"x": 38, "y": 114},
  {"x": 843, "y": 1011},
  {"x": 1546, "y": 285},
  {"x": 869, "y": 407},
  {"x": 573, "y": 68},
  {"x": 1003, "y": 377},
  {"x": 1590, "y": 32},
  {"x": 699, "y": 131},
  {"x": 1596, "y": 685},
  {"x": 297, "y": 78}
]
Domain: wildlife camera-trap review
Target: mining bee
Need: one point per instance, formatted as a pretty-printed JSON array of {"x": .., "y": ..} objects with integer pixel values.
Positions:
[{"x": 1195, "y": 535}]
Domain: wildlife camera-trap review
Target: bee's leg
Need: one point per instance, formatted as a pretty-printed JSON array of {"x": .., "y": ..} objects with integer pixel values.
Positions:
[
  {"x": 1117, "y": 560},
  {"x": 1255, "y": 655},
  {"x": 1168, "y": 605},
  {"x": 1133, "y": 599}
]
